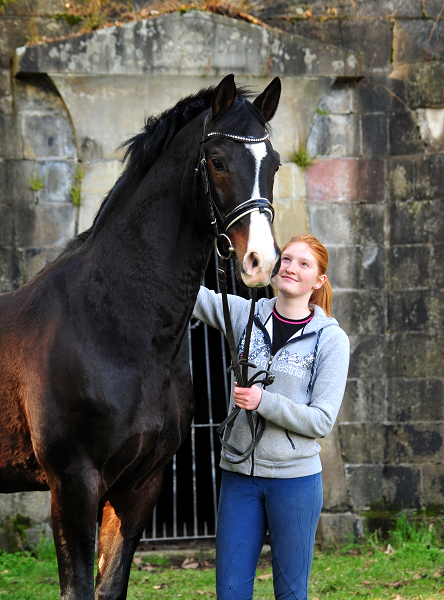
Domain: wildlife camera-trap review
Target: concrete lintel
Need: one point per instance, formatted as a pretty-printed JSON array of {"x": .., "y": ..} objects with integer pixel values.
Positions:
[{"x": 195, "y": 43}]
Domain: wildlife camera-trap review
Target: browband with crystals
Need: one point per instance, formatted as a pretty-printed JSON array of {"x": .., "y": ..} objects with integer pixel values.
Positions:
[{"x": 238, "y": 138}]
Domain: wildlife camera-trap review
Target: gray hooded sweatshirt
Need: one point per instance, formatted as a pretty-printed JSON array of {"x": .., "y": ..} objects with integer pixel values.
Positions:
[{"x": 302, "y": 403}]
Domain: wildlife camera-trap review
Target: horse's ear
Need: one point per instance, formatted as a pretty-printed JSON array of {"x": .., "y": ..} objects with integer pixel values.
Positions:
[
  {"x": 268, "y": 101},
  {"x": 224, "y": 96}
]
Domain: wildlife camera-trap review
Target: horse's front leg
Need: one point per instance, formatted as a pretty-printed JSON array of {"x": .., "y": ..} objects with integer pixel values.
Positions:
[
  {"x": 125, "y": 516},
  {"x": 74, "y": 507}
]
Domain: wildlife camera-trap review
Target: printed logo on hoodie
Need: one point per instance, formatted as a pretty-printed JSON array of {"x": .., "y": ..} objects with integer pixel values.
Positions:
[{"x": 286, "y": 362}]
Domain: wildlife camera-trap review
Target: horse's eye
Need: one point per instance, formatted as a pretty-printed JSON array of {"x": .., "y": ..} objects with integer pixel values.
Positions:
[
  {"x": 277, "y": 167},
  {"x": 217, "y": 163}
]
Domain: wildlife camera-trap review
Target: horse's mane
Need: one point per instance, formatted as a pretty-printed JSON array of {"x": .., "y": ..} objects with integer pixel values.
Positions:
[{"x": 143, "y": 149}]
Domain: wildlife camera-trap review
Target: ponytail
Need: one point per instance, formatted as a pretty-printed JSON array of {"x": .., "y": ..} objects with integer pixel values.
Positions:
[{"x": 322, "y": 296}]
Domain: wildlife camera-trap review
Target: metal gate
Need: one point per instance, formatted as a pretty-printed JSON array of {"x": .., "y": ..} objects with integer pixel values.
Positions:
[{"x": 187, "y": 505}]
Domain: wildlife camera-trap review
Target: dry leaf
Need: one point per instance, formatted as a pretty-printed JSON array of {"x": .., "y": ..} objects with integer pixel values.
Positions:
[
  {"x": 365, "y": 582},
  {"x": 159, "y": 587},
  {"x": 190, "y": 563},
  {"x": 264, "y": 577},
  {"x": 389, "y": 549},
  {"x": 417, "y": 576},
  {"x": 137, "y": 560},
  {"x": 200, "y": 592},
  {"x": 437, "y": 574}
]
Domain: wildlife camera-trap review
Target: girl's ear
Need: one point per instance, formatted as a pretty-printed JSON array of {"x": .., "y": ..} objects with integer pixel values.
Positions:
[{"x": 321, "y": 280}]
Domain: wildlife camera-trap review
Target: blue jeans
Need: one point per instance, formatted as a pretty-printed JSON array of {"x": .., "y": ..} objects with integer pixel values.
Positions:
[{"x": 248, "y": 506}]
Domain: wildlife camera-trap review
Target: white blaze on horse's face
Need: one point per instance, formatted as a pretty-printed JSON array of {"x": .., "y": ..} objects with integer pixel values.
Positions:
[{"x": 261, "y": 255}]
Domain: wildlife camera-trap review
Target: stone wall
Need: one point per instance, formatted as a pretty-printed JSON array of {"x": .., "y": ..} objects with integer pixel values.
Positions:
[{"x": 362, "y": 91}]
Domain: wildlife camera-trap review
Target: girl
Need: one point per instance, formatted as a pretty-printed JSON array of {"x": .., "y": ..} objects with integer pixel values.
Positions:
[{"x": 279, "y": 487}]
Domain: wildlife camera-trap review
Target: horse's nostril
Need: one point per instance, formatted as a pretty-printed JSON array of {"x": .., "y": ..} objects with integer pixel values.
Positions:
[{"x": 255, "y": 263}]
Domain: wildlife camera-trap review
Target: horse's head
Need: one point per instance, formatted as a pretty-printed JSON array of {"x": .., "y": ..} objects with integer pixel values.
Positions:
[{"x": 239, "y": 163}]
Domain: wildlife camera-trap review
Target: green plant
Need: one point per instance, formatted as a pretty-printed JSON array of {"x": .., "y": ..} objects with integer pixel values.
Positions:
[
  {"x": 37, "y": 184},
  {"x": 76, "y": 190},
  {"x": 301, "y": 157},
  {"x": 14, "y": 533},
  {"x": 5, "y": 3}
]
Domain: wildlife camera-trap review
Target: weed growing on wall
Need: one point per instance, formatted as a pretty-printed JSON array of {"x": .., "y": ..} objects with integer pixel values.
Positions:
[{"x": 76, "y": 190}]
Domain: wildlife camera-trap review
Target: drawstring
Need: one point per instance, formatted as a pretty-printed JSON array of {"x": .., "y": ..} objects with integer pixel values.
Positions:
[{"x": 310, "y": 383}]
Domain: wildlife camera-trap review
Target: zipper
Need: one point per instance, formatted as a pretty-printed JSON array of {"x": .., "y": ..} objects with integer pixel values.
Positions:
[{"x": 290, "y": 440}]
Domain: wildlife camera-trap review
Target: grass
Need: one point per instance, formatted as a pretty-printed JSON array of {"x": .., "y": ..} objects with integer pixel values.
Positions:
[{"x": 409, "y": 565}]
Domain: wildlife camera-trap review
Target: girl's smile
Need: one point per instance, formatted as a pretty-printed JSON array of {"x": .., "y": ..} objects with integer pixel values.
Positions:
[{"x": 298, "y": 274}]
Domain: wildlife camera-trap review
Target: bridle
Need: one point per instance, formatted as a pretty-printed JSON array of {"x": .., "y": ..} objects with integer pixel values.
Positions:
[{"x": 220, "y": 226}]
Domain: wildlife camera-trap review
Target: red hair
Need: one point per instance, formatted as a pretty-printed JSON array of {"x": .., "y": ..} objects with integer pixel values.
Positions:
[{"x": 323, "y": 296}]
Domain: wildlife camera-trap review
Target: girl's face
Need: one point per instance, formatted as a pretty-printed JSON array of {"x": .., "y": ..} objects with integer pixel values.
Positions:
[{"x": 299, "y": 272}]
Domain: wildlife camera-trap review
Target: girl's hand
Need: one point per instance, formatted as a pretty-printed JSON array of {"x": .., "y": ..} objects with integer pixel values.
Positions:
[{"x": 248, "y": 398}]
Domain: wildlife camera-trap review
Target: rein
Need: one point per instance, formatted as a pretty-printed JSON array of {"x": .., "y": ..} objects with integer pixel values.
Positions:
[{"x": 220, "y": 226}]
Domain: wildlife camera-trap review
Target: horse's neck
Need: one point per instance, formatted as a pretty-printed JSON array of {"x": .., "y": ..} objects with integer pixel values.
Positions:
[{"x": 151, "y": 237}]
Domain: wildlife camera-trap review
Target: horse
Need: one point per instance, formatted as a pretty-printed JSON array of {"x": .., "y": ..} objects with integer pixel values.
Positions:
[{"x": 95, "y": 388}]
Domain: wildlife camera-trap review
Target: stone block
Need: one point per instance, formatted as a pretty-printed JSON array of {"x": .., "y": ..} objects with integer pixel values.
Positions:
[
  {"x": 402, "y": 486},
  {"x": 416, "y": 40},
  {"x": 401, "y": 178},
  {"x": 344, "y": 270},
  {"x": 367, "y": 356},
  {"x": 360, "y": 312},
  {"x": 334, "y": 223},
  {"x": 335, "y": 488},
  {"x": 324, "y": 31},
  {"x": 289, "y": 182},
  {"x": 416, "y": 222},
  {"x": 429, "y": 180},
  {"x": 415, "y": 443},
  {"x": 372, "y": 95},
  {"x": 431, "y": 128},
  {"x": 415, "y": 399},
  {"x": 415, "y": 354},
  {"x": 363, "y": 443},
  {"x": 373, "y": 268},
  {"x": 415, "y": 310},
  {"x": 370, "y": 223},
  {"x": 365, "y": 400},
  {"x": 375, "y": 134},
  {"x": 338, "y": 100},
  {"x": 347, "y": 180},
  {"x": 409, "y": 266},
  {"x": 46, "y": 225},
  {"x": 6, "y": 226},
  {"x": 398, "y": 485},
  {"x": 35, "y": 505},
  {"x": 11, "y": 142},
  {"x": 371, "y": 37},
  {"x": 291, "y": 218},
  {"x": 334, "y": 135},
  {"x": 337, "y": 529},
  {"x": 425, "y": 8},
  {"x": 432, "y": 485},
  {"x": 6, "y": 99},
  {"x": 404, "y": 135},
  {"x": 437, "y": 272},
  {"x": 365, "y": 484},
  {"x": 12, "y": 269},
  {"x": 47, "y": 135},
  {"x": 58, "y": 176},
  {"x": 423, "y": 83}
]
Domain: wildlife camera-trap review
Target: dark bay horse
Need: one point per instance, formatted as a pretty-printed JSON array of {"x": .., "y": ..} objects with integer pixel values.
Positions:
[{"x": 95, "y": 388}]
